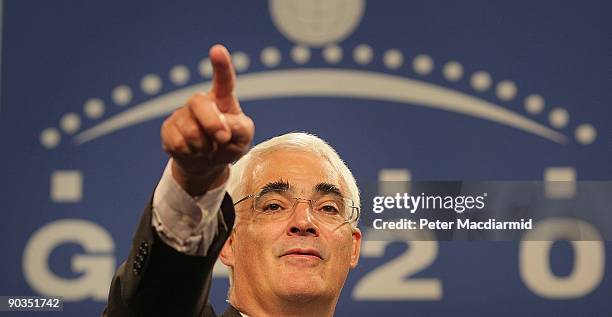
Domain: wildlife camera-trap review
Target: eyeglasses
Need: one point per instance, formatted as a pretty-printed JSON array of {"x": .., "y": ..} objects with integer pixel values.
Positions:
[{"x": 280, "y": 206}]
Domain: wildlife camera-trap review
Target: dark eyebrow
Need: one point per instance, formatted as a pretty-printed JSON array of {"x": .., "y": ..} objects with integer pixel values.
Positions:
[
  {"x": 278, "y": 186},
  {"x": 327, "y": 188}
]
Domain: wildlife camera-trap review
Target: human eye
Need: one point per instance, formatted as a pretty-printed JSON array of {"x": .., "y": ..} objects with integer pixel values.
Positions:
[
  {"x": 271, "y": 203},
  {"x": 330, "y": 209},
  {"x": 272, "y": 206},
  {"x": 329, "y": 206}
]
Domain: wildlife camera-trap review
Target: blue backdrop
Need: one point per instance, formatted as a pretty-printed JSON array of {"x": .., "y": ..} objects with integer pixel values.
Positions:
[{"x": 421, "y": 90}]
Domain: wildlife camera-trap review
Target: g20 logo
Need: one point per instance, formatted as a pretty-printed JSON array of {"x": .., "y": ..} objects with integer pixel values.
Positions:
[{"x": 402, "y": 80}]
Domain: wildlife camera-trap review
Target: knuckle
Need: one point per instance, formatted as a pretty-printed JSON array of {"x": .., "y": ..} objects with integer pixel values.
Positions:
[
  {"x": 246, "y": 124},
  {"x": 178, "y": 143},
  {"x": 191, "y": 132},
  {"x": 176, "y": 116},
  {"x": 250, "y": 124},
  {"x": 213, "y": 126},
  {"x": 213, "y": 122},
  {"x": 197, "y": 99},
  {"x": 168, "y": 122},
  {"x": 182, "y": 120},
  {"x": 166, "y": 134},
  {"x": 176, "y": 113},
  {"x": 164, "y": 126},
  {"x": 181, "y": 147}
]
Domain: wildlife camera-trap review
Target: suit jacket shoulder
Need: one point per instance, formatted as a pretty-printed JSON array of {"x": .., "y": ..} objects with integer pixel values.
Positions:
[{"x": 157, "y": 280}]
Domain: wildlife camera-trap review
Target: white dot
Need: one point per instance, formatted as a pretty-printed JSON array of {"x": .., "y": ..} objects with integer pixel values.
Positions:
[
  {"x": 179, "y": 75},
  {"x": 94, "y": 108},
  {"x": 585, "y": 133},
  {"x": 150, "y": 84},
  {"x": 270, "y": 56},
  {"x": 332, "y": 54},
  {"x": 70, "y": 122},
  {"x": 505, "y": 90},
  {"x": 122, "y": 95},
  {"x": 241, "y": 61},
  {"x": 422, "y": 64},
  {"x": 481, "y": 81},
  {"x": 300, "y": 54},
  {"x": 49, "y": 138},
  {"x": 362, "y": 54},
  {"x": 393, "y": 59},
  {"x": 534, "y": 104},
  {"x": 558, "y": 117},
  {"x": 453, "y": 71},
  {"x": 316, "y": 23},
  {"x": 205, "y": 68}
]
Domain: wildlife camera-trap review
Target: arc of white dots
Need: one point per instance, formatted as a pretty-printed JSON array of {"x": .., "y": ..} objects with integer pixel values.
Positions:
[{"x": 362, "y": 54}]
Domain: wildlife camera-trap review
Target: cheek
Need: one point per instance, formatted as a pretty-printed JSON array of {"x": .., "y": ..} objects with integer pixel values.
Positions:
[
  {"x": 343, "y": 248},
  {"x": 255, "y": 243}
]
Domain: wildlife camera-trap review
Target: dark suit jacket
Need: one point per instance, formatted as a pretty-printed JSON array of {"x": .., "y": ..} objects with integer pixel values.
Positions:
[{"x": 157, "y": 280}]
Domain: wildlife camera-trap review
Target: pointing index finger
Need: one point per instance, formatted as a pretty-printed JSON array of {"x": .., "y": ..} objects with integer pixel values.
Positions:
[{"x": 223, "y": 71}]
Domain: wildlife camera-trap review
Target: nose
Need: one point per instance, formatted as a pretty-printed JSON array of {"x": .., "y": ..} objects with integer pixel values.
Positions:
[{"x": 302, "y": 221}]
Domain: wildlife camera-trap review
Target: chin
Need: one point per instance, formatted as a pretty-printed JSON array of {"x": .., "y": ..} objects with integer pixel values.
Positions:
[{"x": 301, "y": 287}]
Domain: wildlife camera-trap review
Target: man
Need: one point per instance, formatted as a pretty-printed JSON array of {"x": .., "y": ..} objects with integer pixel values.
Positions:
[{"x": 286, "y": 230}]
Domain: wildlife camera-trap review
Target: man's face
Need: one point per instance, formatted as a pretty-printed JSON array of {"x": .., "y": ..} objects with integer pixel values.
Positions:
[{"x": 300, "y": 257}]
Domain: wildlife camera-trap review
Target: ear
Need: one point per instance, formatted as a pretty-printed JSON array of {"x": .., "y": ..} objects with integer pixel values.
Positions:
[
  {"x": 227, "y": 252},
  {"x": 356, "y": 247}
]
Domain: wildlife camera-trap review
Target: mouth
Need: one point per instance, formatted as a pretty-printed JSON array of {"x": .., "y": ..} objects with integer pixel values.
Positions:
[{"x": 298, "y": 252}]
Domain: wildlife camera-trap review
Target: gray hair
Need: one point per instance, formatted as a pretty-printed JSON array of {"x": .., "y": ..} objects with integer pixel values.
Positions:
[{"x": 296, "y": 141}]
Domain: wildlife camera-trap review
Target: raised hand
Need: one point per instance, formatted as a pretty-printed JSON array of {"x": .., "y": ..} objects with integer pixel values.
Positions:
[{"x": 209, "y": 131}]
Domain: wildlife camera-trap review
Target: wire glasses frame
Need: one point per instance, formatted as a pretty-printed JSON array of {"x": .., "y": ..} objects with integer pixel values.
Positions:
[{"x": 278, "y": 207}]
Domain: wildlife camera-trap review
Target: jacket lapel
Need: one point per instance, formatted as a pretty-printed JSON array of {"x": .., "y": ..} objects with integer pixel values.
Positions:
[{"x": 231, "y": 312}]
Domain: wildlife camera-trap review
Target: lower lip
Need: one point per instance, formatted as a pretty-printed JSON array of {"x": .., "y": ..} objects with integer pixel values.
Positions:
[{"x": 302, "y": 258}]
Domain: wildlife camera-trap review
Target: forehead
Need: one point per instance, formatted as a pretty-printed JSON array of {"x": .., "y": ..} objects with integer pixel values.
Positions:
[{"x": 302, "y": 170}]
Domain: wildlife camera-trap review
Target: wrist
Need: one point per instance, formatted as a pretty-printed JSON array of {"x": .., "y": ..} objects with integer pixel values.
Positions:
[{"x": 197, "y": 184}]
